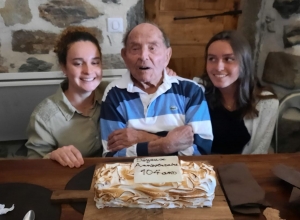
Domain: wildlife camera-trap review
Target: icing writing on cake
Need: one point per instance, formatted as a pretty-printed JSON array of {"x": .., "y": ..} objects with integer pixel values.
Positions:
[
  {"x": 149, "y": 160},
  {"x": 150, "y": 172},
  {"x": 156, "y": 169}
]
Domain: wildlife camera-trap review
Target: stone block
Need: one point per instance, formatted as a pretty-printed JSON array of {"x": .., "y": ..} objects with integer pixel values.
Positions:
[
  {"x": 282, "y": 69},
  {"x": 291, "y": 35},
  {"x": 3, "y": 69},
  {"x": 135, "y": 15},
  {"x": 16, "y": 12},
  {"x": 270, "y": 24},
  {"x": 33, "y": 42},
  {"x": 35, "y": 65},
  {"x": 112, "y": 1},
  {"x": 113, "y": 61},
  {"x": 97, "y": 33},
  {"x": 287, "y": 7},
  {"x": 62, "y": 13},
  {"x": 288, "y": 136}
]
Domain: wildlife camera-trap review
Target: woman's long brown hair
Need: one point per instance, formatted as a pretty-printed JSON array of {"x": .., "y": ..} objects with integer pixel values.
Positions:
[{"x": 249, "y": 88}]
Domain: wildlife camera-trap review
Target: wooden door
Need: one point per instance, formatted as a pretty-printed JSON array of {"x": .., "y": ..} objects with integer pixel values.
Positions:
[{"x": 188, "y": 37}]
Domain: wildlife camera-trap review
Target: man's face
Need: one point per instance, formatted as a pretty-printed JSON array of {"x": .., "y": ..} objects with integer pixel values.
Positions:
[{"x": 145, "y": 54}]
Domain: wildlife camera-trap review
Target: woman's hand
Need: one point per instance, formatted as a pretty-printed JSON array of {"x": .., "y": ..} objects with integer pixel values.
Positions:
[{"x": 67, "y": 156}]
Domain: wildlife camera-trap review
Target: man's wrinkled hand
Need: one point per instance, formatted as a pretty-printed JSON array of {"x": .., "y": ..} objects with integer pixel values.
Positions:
[
  {"x": 122, "y": 138},
  {"x": 67, "y": 156},
  {"x": 179, "y": 139}
]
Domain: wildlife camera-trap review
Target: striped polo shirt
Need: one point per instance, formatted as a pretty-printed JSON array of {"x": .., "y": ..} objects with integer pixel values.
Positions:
[{"x": 176, "y": 102}]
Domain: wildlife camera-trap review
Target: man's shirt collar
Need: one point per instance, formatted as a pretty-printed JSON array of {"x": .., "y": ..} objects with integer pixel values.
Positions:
[{"x": 127, "y": 83}]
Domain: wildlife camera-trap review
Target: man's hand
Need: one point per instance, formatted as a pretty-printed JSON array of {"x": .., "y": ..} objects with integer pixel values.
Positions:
[
  {"x": 179, "y": 139},
  {"x": 170, "y": 72},
  {"x": 67, "y": 156},
  {"x": 176, "y": 140},
  {"x": 124, "y": 138}
]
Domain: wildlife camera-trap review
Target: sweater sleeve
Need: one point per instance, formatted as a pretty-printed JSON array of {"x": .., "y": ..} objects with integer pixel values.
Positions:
[
  {"x": 262, "y": 127},
  {"x": 40, "y": 140}
]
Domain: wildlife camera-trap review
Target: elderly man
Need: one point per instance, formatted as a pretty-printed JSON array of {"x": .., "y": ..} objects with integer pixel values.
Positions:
[{"x": 148, "y": 112}]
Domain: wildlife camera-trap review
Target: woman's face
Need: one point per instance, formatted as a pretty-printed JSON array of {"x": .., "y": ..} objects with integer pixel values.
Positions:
[
  {"x": 221, "y": 65},
  {"x": 83, "y": 67}
]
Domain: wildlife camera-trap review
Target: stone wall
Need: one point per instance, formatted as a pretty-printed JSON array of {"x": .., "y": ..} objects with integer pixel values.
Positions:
[
  {"x": 277, "y": 59},
  {"x": 29, "y": 28},
  {"x": 279, "y": 33}
]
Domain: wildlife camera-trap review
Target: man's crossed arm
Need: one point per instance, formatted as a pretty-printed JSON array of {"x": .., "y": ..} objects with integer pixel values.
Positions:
[{"x": 176, "y": 140}]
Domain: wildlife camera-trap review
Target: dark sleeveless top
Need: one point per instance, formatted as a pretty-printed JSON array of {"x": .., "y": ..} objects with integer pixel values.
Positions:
[{"x": 229, "y": 130}]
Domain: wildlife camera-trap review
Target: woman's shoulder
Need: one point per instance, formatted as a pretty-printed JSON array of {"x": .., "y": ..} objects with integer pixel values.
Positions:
[
  {"x": 100, "y": 90},
  {"x": 47, "y": 107},
  {"x": 268, "y": 96},
  {"x": 267, "y": 93},
  {"x": 268, "y": 103}
]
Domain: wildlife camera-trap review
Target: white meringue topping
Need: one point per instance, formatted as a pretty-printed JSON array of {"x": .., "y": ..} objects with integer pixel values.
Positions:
[{"x": 115, "y": 187}]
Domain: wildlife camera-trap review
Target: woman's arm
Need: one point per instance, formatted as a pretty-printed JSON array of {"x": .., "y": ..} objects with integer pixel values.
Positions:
[
  {"x": 40, "y": 140},
  {"x": 42, "y": 144},
  {"x": 263, "y": 127}
]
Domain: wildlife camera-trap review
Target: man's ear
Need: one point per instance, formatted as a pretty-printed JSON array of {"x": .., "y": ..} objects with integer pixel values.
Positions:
[
  {"x": 168, "y": 56},
  {"x": 123, "y": 53}
]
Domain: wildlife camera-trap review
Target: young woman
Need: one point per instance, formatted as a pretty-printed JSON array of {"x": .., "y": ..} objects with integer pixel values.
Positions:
[
  {"x": 65, "y": 126},
  {"x": 243, "y": 112}
]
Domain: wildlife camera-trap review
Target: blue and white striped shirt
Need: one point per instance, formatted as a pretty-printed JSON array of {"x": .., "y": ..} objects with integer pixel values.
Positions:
[{"x": 177, "y": 102}]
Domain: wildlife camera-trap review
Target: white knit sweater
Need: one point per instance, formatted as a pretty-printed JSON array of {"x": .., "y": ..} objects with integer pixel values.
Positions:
[{"x": 261, "y": 128}]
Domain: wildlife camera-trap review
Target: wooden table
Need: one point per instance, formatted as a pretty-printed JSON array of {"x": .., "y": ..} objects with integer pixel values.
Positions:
[{"x": 53, "y": 176}]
